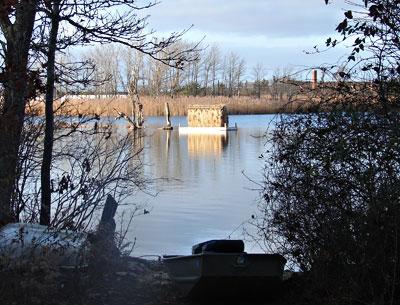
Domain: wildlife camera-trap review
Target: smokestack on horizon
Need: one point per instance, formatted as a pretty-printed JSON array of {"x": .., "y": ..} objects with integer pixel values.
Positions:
[{"x": 314, "y": 80}]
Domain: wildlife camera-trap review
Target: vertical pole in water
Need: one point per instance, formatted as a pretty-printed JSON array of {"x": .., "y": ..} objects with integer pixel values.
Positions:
[
  {"x": 167, "y": 117},
  {"x": 314, "y": 80}
]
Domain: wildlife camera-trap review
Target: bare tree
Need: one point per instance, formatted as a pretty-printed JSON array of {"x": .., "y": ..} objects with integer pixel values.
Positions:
[
  {"x": 175, "y": 81},
  {"x": 16, "y": 22},
  {"x": 133, "y": 66},
  {"x": 215, "y": 66},
  {"x": 157, "y": 74},
  {"x": 258, "y": 76},
  {"x": 49, "y": 126},
  {"x": 210, "y": 67},
  {"x": 174, "y": 73},
  {"x": 240, "y": 71},
  {"x": 103, "y": 22},
  {"x": 233, "y": 71}
]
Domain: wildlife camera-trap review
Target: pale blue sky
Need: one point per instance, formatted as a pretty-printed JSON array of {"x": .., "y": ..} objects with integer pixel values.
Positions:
[{"x": 273, "y": 32}]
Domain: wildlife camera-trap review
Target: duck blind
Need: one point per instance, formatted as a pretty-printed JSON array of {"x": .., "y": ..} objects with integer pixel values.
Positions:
[{"x": 207, "y": 116}]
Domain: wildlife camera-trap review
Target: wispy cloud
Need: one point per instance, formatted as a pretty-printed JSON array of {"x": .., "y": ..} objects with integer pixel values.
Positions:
[
  {"x": 263, "y": 17},
  {"x": 263, "y": 27}
]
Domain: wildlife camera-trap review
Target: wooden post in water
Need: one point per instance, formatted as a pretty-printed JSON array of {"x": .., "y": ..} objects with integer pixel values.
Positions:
[
  {"x": 167, "y": 117},
  {"x": 314, "y": 80}
]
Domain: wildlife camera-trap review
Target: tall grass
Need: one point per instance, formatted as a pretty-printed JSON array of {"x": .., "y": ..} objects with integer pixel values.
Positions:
[{"x": 155, "y": 106}]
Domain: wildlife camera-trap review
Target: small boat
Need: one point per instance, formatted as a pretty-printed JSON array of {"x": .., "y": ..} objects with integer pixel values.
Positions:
[
  {"x": 23, "y": 241},
  {"x": 222, "y": 268}
]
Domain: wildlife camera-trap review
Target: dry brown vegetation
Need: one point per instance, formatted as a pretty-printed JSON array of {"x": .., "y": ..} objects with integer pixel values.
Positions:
[{"x": 154, "y": 106}]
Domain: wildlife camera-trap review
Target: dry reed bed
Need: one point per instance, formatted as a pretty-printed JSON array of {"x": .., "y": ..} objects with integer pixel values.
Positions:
[{"x": 154, "y": 106}]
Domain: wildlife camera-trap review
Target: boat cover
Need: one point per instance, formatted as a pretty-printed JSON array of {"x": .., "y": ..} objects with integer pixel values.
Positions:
[{"x": 219, "y": 246}]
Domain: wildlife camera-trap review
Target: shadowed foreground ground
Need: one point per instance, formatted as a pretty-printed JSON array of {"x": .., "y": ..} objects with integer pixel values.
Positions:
[
  {"x": 142, "y": 282},
  {"x": 137, "y": 281}
]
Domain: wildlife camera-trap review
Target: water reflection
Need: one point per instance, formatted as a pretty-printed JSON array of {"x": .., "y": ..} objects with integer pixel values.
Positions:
[
  {"x": 137, "y": 143},
  {"x": 200, "y": 145},
  {"x": 137, "y": 137},
  {"x": 163, "y": 151},
  {"x": 206, "y": 195}
]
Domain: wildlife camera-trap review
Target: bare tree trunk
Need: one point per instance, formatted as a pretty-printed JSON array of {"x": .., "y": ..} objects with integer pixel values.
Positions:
[
  {"x": 104, "y": 250},
  {"x": 11, "y": 123},
  {"x": 18, "y": 36},
  {"x": 45, "y": 207},
  {"x": 137, "y": 107},
  {"x": 107, "y": 225}
]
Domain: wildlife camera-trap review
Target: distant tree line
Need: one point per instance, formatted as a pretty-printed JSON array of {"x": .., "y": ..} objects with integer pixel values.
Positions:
[{"x": 211, "y": 74}]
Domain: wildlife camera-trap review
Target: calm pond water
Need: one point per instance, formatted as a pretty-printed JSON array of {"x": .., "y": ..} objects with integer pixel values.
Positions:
[{"x": 207, "y": 196}]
